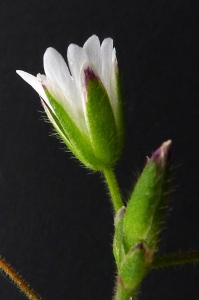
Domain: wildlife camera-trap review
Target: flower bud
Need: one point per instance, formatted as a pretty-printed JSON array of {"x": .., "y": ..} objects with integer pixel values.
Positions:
[
  {"x": 146, "y": 208},
  {"x": 137, "y": 226}
]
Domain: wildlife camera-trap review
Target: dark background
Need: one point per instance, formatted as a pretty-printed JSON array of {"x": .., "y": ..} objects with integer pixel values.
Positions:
[{"x": 55, "y": 216}]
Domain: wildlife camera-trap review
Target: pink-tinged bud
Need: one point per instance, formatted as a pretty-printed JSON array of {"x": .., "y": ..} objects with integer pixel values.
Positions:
[
  {"x": 145, "y": 210},
  {"x": 162, "y": 155}
]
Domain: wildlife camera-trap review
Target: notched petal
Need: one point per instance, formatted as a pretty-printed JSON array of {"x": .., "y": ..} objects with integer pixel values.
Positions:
[
  {"x": 34, "y": 82},
  {"x": 56, "y": 69}
]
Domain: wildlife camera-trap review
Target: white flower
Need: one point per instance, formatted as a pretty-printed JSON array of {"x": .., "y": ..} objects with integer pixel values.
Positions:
[{"x": 68, "y": 86}]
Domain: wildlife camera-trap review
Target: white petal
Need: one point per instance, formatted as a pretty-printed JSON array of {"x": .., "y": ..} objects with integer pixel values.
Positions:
[
  {"x": 57, "y": 71},
  {"x": 34, "y": 82},
  {"x": 114, "y": 58},
  {"x": 113, "y": 85},
  {"x": 76, "y": 59},
  {"x": 71, "y": 108},
  {"x": 106, "y": 54},
  {"x": 93, "y": 51}
]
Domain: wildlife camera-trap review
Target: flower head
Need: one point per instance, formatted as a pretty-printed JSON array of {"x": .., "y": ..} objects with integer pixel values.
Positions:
[{"x": 83, "y": 101}]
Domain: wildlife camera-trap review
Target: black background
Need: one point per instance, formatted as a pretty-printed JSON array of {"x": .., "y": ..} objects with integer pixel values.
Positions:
[{"x": 55, "y": 216}]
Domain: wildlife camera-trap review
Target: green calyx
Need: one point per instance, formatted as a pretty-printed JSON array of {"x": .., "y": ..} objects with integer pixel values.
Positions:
[{"x": 100, "y": 147}]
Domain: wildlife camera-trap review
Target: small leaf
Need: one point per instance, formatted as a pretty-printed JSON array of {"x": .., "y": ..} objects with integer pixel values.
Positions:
[
  {"x": 118, "y": 247},
  {"x": 134, "y": 267}
]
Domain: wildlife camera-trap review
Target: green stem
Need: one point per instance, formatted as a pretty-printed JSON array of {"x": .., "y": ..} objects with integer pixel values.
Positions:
[
  {"x": 113, "y": 189},
  {"x": 121, "y": 293},
  {"x": 175, "y": 259}
]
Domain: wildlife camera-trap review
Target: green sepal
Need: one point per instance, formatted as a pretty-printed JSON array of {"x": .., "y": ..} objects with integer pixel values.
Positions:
[
  {"x": 134, "y": 267},
  {"x": 145, "y": 210},
  {"x": 101, "y": 121},
  {"x": 118, "y": 247},
  {"x": 120, "y": 113},
  {"x": 76, "y": 140}
]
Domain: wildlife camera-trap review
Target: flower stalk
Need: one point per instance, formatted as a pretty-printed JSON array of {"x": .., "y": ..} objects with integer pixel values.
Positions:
[{"x": 113, "y": 189}]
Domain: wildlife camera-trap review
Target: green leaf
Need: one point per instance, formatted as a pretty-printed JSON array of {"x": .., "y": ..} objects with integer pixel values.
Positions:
[{"x": 134, "y": 267}]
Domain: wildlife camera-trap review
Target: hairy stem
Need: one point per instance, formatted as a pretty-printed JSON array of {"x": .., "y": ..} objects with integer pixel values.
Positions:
[
  {"x": 175, "y": 259},
  {"x": 21, "y": 284}
]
